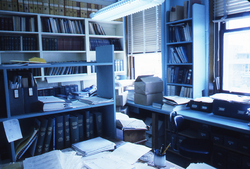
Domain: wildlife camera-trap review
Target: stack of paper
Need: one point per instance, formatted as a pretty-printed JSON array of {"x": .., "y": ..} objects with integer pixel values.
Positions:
[
  {"x": 54, "y": 159},
  {"x": 95, "y": 100},
  {"x": 175, "y": 103},
  {"x": 93, "y": 146},
  {"x": 123, "y": 121},
  {"x": 51, "y": 103}
]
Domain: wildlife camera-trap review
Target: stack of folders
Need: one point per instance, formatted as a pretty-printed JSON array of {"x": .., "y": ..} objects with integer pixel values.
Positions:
[
  {"x": 93, "y": 146},
  {"x": 95, "y": 100},
  {"x": 51, "y": 103}
]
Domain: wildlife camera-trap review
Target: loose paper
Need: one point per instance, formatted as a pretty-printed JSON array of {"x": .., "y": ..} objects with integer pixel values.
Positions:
[{"x": 12, "y": 130}]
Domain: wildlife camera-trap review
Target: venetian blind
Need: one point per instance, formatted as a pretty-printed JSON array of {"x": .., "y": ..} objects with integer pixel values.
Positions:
[
  {"x": 144, "y": 31},
  {"x": 228, "y": 7}
]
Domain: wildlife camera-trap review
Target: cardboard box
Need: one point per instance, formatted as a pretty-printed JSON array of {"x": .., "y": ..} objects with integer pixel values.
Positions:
[
  {"x": 121, "y": 99},
  {"x": 147, "y": 99},
  {"x": 148, "y": 85},
  {"x": 131, "y": 135}
]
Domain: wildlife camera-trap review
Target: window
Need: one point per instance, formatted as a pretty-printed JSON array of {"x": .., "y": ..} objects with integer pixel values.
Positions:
[
  {"x": 232, "y": 41},
  {"x": 144, "y": 43}
]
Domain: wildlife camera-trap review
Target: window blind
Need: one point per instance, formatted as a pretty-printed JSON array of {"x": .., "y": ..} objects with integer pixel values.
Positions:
[
  {"x": 144, "y": 31},
  {"x": 229, "y": 7}
]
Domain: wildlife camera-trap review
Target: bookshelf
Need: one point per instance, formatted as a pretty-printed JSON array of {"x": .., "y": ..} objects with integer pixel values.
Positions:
[
  {"x": 105, "y": 82},
  {"x": 184, "y": 59},
  {"x": 58, "y": 38}
]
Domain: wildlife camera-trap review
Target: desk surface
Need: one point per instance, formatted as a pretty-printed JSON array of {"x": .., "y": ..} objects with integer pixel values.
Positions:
[{"x": 203, "y": 117}]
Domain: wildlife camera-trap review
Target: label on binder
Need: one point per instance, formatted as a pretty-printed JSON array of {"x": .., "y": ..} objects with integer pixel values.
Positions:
[
  {"x": 30, "y": 91},
  {"x": 16, "y": 95}
]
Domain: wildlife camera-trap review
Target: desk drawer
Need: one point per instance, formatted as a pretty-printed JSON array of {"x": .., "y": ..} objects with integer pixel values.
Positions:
[
  {"x": 244, "y": 146},
  {"x": 230, "y": 142},
  {"x": 246, "y": 163},
  {"x": 217, "y": 138}
]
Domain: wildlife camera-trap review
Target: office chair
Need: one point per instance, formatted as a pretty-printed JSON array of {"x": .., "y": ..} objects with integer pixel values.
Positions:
[{"x": 198, "y": 150}]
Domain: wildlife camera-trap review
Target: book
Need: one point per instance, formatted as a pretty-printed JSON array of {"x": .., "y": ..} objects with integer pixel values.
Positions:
[
  {"x": 74, "y": 131},
  {"x": 49, "y": 133},
  {"x": 59, "y": 132},
  {"x": 91, "y": 125},
  {"x": 87, "y": 124},
  {"x": 80, "y": 126},
  {"x": 98, "y": 124},
  {"x": 41, "y": 135},
  {"x": 66, "y": 130},
  {"x": 50, "y": 103},
  {"x": 93, "y": 146}
]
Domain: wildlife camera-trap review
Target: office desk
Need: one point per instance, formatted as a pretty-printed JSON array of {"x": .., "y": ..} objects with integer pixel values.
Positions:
[{"x": 237, "y": 125}]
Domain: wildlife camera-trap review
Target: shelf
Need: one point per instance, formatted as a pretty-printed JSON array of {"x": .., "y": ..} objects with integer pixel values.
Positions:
[{"x": 38, "y": 114}]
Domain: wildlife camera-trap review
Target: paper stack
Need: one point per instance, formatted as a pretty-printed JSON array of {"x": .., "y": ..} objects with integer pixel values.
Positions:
[
  {"x": 95, "y": 100},
  {"x": 93, "y": 146},
  {"x": 175, "y": 103}
]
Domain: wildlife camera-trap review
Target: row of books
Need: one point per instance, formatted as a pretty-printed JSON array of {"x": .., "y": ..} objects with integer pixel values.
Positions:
[
  {"x": 58, "y": 90},
  {"x": 66, "y": 70},
  {"x": 18, "y": 23},
  {"x": 179, "y": 55},
  {"x": 180, "y": 91},
  {"x": 96, "y": 29},
  {"x": 101, "y": 42},
  {"x": 178, "y": 74},
  {"x": 180, "y": 32},
  {"x": 14, "y": 43},
  {"x": 119, "y": 65},
  {"x": 60, "y": 25},
  {"x": 63, "y": 44},
  {"x": 60, "y": 131},
  {"x": 60, "y": 7}
]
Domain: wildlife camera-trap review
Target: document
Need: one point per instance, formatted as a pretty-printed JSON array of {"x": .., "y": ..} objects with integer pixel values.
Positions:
[
  {"x": 125, "y": 122},
  {"x": 12, "y": 130},
  {"x": 130, "y": 152},
  {"x": 54, "y": 159},
  {"x": 123, "y": 157}
]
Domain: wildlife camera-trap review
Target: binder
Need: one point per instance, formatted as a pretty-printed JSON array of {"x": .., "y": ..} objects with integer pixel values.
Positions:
[
  {"x": 14, "y": 5},
  {"x": 83, "y": 8},
  {"x": 35, "y": 6},
  {"x": 56, "y": 7},
  {"x": 59, "y": 132},
  {"x": 74, "y": 131},
  {"x": 51, "y": 7},
  {"x": 66, "y": 131},
  {"x": 31, "y": 6},
  {"x": 26, "y": 6},
  {"x": 4, "y": 5},
  {"x": 20, "y": 6},
  {"x": 74, "y": 9},
  {"x": 41, "y": 135},
  {"x": 61, "y": 7},
  {"x": 9, "y": 5},
  {"x": 39, "y": 6},
  {"x": 45, "y": 6}
]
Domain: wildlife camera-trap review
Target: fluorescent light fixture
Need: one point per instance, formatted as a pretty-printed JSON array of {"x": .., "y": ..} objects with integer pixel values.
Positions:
[{"x": 123, "y": 8}]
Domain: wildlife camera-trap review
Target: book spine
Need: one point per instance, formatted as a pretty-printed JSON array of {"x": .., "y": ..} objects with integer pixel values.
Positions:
[
  {"x": 59, "y": 132},
  {"x": 74, "y": 131},
  {"x": 66, "y": 131},
  {"x": 41, "y": 135},
  {"x": 98, "y": 124},
  {"x": 48, "y": 136}
]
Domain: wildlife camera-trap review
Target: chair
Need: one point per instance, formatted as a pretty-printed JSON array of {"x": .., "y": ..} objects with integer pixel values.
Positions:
[{"x": 198, "y": 150}]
